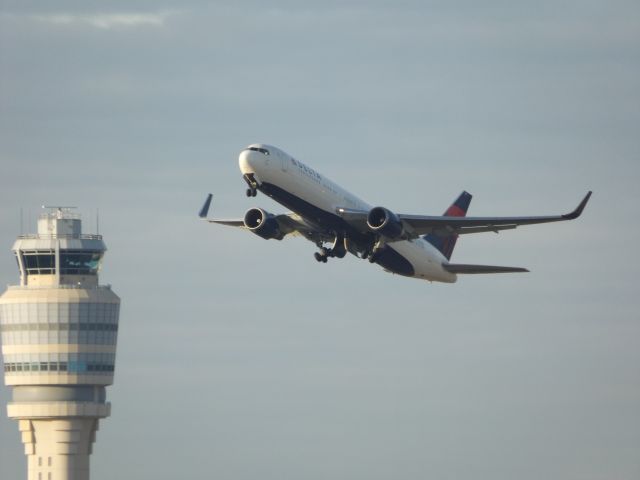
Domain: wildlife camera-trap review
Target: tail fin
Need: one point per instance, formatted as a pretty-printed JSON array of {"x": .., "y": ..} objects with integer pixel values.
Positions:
[{"x": 445, "y": 243}]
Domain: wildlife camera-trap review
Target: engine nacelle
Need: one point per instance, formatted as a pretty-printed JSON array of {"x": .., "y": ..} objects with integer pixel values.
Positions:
[
  {"x": 262, "y": 224},
  {"x": 384, "y": 222}
]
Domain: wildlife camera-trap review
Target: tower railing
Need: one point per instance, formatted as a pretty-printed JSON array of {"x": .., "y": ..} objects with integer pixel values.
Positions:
[
  {"x": 60, "y": 286},
  {"x": 83, "y": 236}
]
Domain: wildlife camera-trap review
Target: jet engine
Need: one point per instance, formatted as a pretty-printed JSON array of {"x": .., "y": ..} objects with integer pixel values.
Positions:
[
  {"x": 263, "y": 224},
  {"x": 384, "y": 222}
]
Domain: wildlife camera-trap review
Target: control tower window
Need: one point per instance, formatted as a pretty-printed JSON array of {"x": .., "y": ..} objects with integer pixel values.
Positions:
[
  {"x": 39, "y": 262},
  {"x": 79, "y": 262}
]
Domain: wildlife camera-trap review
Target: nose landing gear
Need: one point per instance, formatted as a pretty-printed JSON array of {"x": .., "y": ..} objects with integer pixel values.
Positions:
[{"x": 252, "y": 191}]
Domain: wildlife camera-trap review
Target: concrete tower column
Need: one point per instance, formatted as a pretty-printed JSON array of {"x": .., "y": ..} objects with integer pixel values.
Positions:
[
  {"x": 59, "y": 332},
  {"x": 63, "y": 449}
]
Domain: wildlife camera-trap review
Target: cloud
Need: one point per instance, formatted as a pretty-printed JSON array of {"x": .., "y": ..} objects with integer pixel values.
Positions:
[{"x": 107, "y": 21}]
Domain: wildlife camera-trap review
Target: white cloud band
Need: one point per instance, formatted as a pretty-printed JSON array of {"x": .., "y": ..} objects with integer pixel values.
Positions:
[{"x": 106, "y": 21}]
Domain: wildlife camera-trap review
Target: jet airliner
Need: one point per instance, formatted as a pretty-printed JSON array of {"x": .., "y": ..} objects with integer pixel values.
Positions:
[{"x": 338, "y": 222}]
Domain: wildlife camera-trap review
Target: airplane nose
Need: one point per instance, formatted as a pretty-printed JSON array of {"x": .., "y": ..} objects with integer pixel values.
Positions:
[{"x": 245, "y": 160}]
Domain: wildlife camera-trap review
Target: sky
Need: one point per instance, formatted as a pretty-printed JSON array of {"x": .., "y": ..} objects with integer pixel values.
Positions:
[{"x": 240, "y": 358}]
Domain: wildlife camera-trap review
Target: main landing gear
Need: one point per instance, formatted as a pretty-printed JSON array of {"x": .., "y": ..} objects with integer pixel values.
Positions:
[
  {"x": 251, "y": 192},
  {"x": 322, "y": 256},
  {"x": 373, "y": 252},
  {"x": 373, "y": 257},
  {"x": 337, "y": 250}
]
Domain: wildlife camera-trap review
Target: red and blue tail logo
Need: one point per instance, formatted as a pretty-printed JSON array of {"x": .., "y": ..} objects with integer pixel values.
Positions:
[{"x": 445, "y": 244}]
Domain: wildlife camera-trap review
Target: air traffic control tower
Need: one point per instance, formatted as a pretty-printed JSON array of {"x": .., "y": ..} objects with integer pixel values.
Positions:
[{"x": 59, "y": 330}]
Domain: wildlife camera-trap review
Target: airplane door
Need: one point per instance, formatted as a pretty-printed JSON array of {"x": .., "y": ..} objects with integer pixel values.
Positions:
[{"x": 284, "y": 161}]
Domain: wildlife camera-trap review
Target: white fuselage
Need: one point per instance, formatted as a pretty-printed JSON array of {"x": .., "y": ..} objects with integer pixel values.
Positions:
[{"x": 303, "y": 183}]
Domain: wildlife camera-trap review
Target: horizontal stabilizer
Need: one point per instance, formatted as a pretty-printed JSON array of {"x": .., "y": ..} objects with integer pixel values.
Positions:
[{"x": 471, "y": 269}]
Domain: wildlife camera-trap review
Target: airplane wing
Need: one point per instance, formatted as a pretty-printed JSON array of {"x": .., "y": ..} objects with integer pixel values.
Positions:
[
  {"x": 417, "y": 225},
  {"x": 288, "y": 223},
  {"x": 204, "y": 212}
]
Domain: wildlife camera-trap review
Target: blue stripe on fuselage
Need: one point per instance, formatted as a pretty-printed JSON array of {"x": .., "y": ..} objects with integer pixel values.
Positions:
[
  {"x": 391, "y": 260},
  {"x": 387, "y": 258}
]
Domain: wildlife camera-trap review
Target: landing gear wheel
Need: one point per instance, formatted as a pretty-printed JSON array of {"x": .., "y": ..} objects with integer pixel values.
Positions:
[
  {"x": 251, "y": 192},
  {"x": 321, "y": 257}
]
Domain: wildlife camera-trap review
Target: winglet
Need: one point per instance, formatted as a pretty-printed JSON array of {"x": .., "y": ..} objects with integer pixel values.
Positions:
[
  {"x": 204, "y": 211},
  {"x": 578, "y": 211}
]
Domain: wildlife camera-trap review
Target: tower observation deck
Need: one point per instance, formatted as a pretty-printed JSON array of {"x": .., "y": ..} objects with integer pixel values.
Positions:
[{"x": 59, "y": 329}]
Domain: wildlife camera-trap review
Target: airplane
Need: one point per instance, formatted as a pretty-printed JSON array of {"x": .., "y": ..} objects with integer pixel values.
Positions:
[{"x": 416, "y": 246}]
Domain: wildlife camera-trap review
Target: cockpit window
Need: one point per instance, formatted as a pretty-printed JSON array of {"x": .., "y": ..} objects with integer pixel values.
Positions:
[{"x": 264, "y": 151}]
